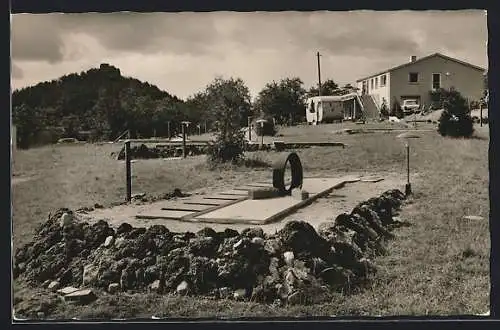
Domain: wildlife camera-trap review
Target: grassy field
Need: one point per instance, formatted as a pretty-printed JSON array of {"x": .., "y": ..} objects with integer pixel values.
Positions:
[{"x": 437, "y": 266}]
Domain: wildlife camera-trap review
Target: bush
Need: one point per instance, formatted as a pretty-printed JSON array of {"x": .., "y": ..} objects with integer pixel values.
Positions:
[
  {"x": 229, "y": 139},
  {"x": 384, "y": 111},
  {"x": 455, "y": 125},
  {"x": 396, "y": 109},
  {"x": 455, "y": 120},
  {"x": 225, "y": 151},
  {"x": 269, "y": 129},
  {"x": 437, "y": 98}
]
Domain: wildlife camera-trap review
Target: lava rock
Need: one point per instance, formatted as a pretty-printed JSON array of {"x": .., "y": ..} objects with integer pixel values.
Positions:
[
  {"x": 54, "y": 286},
  {"x": 124, "y": 228},
  {"x": 109, "y": 241},
  {"x": 289, "y": 257},
  {"x": 253, "y": 232},
  {"x": 182, "y": 288},
  {"x": 113, "y": 288}
]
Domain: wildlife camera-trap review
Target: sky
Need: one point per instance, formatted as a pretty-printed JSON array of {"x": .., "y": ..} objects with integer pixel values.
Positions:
[{"x": 183, "y": 52}]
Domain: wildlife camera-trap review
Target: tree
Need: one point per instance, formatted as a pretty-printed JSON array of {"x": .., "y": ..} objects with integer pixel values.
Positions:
[
  {"x": 384, "y": 111},
  {"x": 328, "y": 87},
  {"x": 396, "y": 109},
  {"x": 234, "y": 91},
  {"x": 283, "y": 100},
  {"x": 485, "y": 86},
  {"x": 197, "y": 109},
  {"x": 455, "y": 121},
  {"x": 100, "y": 100},
  {"x": 229, "y": 104},
  {"x": 27, "y": 124}
]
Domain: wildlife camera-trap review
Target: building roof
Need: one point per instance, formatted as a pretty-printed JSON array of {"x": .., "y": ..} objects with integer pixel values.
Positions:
[
  {"x": 345, "y": 97},
  {"x": 423, "y": 59}
]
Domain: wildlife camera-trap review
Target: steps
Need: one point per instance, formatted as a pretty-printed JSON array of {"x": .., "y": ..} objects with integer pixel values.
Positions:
[{"x": 370, "y": 108}]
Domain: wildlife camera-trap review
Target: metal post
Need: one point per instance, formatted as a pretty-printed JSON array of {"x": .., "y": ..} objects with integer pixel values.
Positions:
[
  {"x": 408, "y": 184},
  {"x": 481, "y": 114},
  {"x": 183, "y": 141},
  {"x": 262, "y": 135},
  {"x": 354, "y": 110},
  {"x": 128, "y": 172},
  {"x": 249, "y": 119}
]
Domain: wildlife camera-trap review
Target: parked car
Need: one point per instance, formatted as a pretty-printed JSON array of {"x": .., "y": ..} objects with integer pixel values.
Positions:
[{"x": 410, "y": 106}]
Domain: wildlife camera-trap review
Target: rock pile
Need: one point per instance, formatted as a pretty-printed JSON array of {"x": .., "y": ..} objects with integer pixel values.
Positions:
[
  {"x": 297, "y": 265},
  {"x": 143, "y": 152}
]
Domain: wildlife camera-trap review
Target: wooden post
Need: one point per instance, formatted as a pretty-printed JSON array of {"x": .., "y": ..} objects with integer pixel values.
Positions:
[
  {"x": 128, "y": 172},
  {"x": 408, "y": 184},
  {"x": 249, "y": 119},
  {"x": 168, "y": 130},
  {"x": 184, "y": 125},
  {"x": 480, "y": 114},
  {"x": 183, "y": 141},
  {"x": 319, "y": 73},
  {"x": 354, "y": 110}
]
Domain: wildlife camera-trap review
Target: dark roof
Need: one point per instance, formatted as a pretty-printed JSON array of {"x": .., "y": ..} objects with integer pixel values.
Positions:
[{"x": 423, "y": 59}]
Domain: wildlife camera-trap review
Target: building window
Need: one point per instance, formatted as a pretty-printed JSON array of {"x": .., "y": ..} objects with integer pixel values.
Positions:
[
  {"x": 376, "y": 82},
  {"x": 383, "y": 81},
  {"x": 436, "y": 81},
  {"x": 413, "y": 77},
  {"x": 371, "y": 83}
]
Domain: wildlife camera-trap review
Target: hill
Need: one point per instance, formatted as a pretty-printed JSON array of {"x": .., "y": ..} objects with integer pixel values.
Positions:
[{"x": 100, "y": 102}]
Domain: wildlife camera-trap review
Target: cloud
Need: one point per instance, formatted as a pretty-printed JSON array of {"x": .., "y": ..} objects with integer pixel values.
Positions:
[
  {"x": 43, "y": 37},
  {"x": 182, "y": 52},
  {"x": 359, "y": 32},
  {"x": 374, "y": 33},
  {"x": 36, "y": 38}
]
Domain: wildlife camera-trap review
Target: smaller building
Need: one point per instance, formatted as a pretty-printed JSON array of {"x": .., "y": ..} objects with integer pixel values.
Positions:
[
  {"x": 326, "y": 109},
  {"x": 415, "y": 79}
]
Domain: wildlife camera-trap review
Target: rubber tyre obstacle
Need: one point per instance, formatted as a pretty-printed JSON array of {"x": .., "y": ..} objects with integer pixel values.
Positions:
[{"x": 279, "y": 168}]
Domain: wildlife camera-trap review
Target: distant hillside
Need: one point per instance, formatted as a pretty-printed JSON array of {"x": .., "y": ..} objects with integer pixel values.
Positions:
[{"x": 100, "y": 101}]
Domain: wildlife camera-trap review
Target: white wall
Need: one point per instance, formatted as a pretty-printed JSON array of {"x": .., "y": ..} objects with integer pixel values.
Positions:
[{"x": 378, "y": 91}]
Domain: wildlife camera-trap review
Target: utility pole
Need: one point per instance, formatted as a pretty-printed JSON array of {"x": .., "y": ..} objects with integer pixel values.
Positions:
[
  {"x": 319, "y": 74},
  {"x": 319, "y": 83}
]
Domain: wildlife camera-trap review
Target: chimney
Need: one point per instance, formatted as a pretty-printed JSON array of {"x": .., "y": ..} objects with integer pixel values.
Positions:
[{"x": 413, "y": 58}]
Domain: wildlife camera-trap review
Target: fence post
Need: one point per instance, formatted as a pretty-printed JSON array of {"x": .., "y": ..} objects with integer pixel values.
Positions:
[
  {"x": 128, "y": 172},
  {"x": 249, "y": 120},
  {"x": 481, "y": 114},
  {"x": 408, "y": 184},
  {"x": 185, "y": 125},
  {"x": 183, "y": 141}
]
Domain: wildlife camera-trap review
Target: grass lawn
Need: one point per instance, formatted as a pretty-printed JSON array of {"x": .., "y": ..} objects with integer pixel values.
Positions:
[{"x": 437, "y": 266}]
